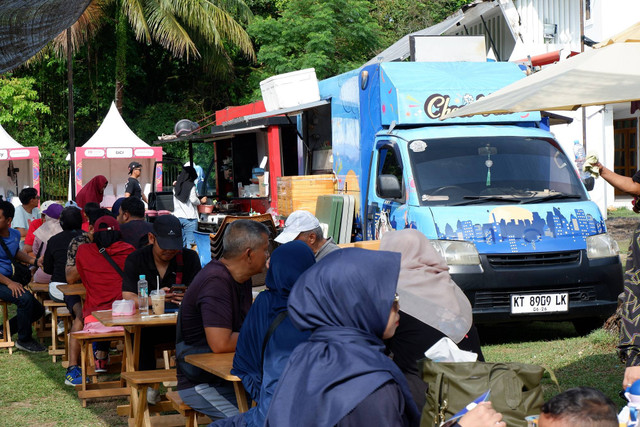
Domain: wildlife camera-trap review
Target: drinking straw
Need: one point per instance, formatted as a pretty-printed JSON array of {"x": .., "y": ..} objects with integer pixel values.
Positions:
[{"x": 158, "y": 285}]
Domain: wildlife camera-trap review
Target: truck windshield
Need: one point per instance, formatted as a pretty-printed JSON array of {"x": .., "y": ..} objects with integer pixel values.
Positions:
[{"x": 492, "y": 170}]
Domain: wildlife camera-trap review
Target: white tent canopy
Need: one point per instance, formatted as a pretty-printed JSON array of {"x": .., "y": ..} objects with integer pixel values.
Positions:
[
  {"x": 114, "y": 132},
  {"x": 109, "y": 151},
  {"x": 6, "y": 141},
  {"x": 22, "y": 167}
]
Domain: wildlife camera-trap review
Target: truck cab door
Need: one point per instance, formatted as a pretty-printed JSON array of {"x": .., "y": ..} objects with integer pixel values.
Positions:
[{"x": 387, "y": 190}]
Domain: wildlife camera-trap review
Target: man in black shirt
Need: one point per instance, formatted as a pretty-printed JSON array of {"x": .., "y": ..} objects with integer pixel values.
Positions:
[
  {"x": 164, "y": 259},
  {"x": 132, "y": 188},
  {"x": 133, "y": 227}
]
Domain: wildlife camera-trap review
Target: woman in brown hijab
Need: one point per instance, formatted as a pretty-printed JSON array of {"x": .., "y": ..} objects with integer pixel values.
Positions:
[{"x": 433, "y": 306}]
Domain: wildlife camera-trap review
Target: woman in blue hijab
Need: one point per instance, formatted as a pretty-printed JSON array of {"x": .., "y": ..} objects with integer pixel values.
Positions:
[
  {"x": 260, "y": 373},
  {"x": 340, "y": 376}
]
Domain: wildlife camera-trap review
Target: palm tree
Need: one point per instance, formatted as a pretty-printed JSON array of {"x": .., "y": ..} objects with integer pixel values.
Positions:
[
  {"x": 189, "y": 29},
  {"x": 180, "y": 26}
]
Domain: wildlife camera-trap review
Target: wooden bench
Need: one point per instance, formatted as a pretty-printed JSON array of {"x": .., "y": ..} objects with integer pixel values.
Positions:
[
  {"x": 97, "y": 389},
  {"x": 58, "y": 310},
  {"x": 6, "y": 341},
  {"x": 186, "y": 411},
  {"x": 139, "y": 381}
]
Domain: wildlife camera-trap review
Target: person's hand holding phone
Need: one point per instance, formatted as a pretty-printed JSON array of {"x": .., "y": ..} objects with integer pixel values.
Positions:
[{"x": 177, "y": 292}]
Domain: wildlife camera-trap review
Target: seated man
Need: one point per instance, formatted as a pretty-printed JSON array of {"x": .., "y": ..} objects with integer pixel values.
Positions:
[
  {"x": 102, "y": 283},
  {"x": 166, "y": 261},
  {"x": 133, "y": 227},
  {"x": 214, "y": 308},
  {"x": 579, "y": 407},
  {"x": 29, "y": 309},
  {"x": 28, "y": 210},
  {"x": 302, "y": 225}
]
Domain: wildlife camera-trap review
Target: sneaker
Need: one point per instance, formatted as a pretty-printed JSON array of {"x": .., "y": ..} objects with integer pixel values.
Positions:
[
  {"x": 60, "y": 327},
  {"x": 32, "y": 346},
  {"x": 153, "y": 396},
  {"x": 73, "y": 376},
  {"x": 101, "y": 364}
]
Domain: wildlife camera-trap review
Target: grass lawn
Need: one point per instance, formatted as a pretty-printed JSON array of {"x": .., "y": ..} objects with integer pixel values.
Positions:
[
  {"x": 32, "y": 390},
  {"x": 575, "y": 360}
]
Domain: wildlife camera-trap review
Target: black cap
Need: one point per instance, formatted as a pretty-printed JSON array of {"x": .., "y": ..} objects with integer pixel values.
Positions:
[
  {"x": 134, "y": 165},
  {"x": 168, "y": 232}
]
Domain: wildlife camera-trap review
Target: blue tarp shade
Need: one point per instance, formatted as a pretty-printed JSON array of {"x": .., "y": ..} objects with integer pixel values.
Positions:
[{"x": 203, "y": 244}]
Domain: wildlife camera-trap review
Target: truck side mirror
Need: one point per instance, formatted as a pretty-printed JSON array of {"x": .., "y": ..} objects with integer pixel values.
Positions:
[
  {"x": 388, "y": 187},
  {"x": 589, "y": 183}
]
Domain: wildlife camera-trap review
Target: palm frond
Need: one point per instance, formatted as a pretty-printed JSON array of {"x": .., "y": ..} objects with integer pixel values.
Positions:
[
  {"x": 84, "y": 29},
  {"x": 167, "y": 31},
  {"x": 214, "y": 24},
  {"x": 135, "y": 11}
]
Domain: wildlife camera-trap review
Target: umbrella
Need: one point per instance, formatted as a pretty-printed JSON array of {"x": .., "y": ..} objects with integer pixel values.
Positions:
[
  {"x": 607, "y": 75},
  {"x": 27, "y": 26}
]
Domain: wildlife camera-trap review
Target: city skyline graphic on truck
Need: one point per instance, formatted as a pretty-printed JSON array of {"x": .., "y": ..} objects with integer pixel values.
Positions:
[{"x": 524, "y": 234}]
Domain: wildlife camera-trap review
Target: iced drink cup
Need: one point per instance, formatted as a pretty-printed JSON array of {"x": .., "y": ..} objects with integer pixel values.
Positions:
[{"x": 157, "y": 301}]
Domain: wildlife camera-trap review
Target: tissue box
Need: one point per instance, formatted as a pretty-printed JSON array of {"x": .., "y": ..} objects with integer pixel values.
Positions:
[{"x": 123, "y": 307}]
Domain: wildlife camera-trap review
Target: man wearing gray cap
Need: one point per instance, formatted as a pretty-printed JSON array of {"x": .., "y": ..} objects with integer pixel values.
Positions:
[{"x": 302, "y": 225}]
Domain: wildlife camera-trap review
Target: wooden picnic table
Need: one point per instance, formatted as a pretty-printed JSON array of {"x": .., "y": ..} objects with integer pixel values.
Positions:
[
  {"x": 220, "y": 365},
  {"x": 73, "y": 289},
  {"x": 133, "y": 324}
]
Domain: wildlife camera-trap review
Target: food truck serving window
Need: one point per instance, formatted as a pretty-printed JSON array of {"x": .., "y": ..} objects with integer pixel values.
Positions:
[{"x": 459, "y": 171}]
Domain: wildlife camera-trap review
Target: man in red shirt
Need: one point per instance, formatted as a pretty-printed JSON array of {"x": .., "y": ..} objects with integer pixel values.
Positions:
[{"x": 101, "y": 280}]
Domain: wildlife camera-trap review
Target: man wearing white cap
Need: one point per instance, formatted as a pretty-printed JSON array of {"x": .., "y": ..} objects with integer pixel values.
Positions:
[{"x": 302, "y": 225}]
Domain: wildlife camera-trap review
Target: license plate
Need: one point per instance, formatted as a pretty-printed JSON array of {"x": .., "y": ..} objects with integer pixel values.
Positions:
[{"x": 539, "y": 303}]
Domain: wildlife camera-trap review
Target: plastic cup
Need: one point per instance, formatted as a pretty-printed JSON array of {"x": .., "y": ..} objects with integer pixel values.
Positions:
[{"x": 157, "y": 301}]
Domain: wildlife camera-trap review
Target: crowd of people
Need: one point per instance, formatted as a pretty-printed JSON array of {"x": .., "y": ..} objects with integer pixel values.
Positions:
[{"x": 326, "y": 343}]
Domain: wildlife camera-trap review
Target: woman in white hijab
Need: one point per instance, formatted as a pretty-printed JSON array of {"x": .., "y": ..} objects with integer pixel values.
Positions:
[
  {"x": 49, "y": 228},
  {"x": 433, "y": 306}
]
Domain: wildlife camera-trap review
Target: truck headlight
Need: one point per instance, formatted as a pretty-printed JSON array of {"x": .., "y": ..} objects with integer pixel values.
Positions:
[
  {"x": 456, "y": 252},
  {"x": 601, "y": 246}
]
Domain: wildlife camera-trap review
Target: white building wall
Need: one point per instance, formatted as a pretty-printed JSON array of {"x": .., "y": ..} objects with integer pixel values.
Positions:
[
  {"x": 609, "y": 17},
  {"x": 535, "y": 13}
]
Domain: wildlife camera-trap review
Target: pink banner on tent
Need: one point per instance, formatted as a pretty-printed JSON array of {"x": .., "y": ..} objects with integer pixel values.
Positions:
[{"x": 116, "y": 154}]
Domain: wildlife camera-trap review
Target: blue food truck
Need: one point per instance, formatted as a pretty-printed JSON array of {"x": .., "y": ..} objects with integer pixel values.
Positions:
[{"x": 496, "y": 194}]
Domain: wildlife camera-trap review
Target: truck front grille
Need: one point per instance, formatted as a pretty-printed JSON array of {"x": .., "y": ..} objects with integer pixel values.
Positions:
[
  {"x": 502, "y": 299},
  {"x": 501, "y": 261}
]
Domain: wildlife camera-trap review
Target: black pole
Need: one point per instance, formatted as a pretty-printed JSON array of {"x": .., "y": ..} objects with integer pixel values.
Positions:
[
  {"x": 584, "y": 111},
  {"x": 493, "y": 45},
  {"x": 72, "y": 142}
]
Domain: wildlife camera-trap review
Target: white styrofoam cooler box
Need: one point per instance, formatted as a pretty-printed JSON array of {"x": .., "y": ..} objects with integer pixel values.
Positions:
[{"x": 290, "y": 89}]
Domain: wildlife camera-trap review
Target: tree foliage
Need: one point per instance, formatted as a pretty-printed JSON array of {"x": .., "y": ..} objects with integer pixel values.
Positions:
[
  {"x": 331, "y": 36},
  {"x": 398, "y": 18}
]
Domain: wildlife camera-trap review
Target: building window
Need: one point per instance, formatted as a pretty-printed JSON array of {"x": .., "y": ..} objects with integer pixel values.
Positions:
[
  {"x": 625, "y": 147},
  {"x": 587, "y": 10}
]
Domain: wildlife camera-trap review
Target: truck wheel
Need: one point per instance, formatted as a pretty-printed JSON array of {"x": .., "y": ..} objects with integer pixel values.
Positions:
[{"x": 588, "y": 324}]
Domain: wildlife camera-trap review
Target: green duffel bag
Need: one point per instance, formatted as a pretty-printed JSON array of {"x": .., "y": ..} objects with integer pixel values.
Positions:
[{"x": 515, "y": 389}]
